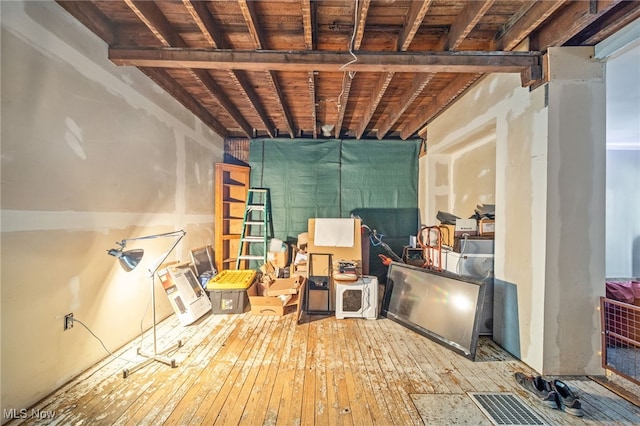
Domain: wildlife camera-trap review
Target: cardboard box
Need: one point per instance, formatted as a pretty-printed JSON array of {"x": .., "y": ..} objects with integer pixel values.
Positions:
[
  {"x": 265, "y": 305},
  {"x": 278, "y": 259},
  {"x": 487, "y": 227},
  {"x": 282, "y": 286},
  {"x": 187, "y": 297}
]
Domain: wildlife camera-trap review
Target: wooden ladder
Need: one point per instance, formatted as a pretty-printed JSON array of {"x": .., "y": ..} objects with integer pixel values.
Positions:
[{"x": 257, "y": 226}]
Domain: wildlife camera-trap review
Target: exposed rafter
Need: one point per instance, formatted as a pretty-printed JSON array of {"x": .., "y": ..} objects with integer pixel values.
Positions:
[
  {"x": 267, "y": 68},
  {"x": 516, "y": 30},
  {"x": 411, "y": 25},
  {"x": 164, "y": 80},
  {"x": 467, "y": 20},
  {"x": 248, "y": 11},
  {"x": 153, "y": 18},
  {"x": 347, "y": 77},
  {"x": 569, "y": 21},
  {"x": 379, "y": 89},
  {"x": 91, "y": 16},
  {"x": 309, "y": 44},
  {"x": 203, "y": 19},
  {"x": 444, "y": 98},
  {"x": 419, "y": 82}
]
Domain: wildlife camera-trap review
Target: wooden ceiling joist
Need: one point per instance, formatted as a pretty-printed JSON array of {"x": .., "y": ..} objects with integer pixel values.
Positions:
[
  {"x": 380, "y": 88},
  {"x": 348, "y": 76},
  {"x": 417, "y": 85},
  {"x": 416, "y": 62},
  {"x": 205, "y": 22},
  {"x": 164, "y": 80},
  {"x": 312, "y": 98},
  {"x": 412, "y": 23},
  {"x": 467, "y": 20},
  {"x": 444, "y": 98},
  {"x": 309, "y": 44},
  {"x": 569, "y": 21},
  {"x": 267, "y": 67},
  {"x": 250, "y": 17},
  {"x": 417, "y": 11},
  {"x": 157, "y": 23},
  {"x": 514, "y": 32},
  {"x": 93, "y": 17}
]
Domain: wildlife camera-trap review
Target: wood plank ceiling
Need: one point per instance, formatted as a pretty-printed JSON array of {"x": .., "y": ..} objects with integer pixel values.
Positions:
[{"x": 337, "y": 68}]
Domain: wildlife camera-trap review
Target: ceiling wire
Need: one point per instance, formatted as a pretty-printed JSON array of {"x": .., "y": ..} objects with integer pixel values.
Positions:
[{"x": 353, "y": 37}]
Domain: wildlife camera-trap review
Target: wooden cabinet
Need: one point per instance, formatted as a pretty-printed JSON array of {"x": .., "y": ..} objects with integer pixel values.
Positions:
[{"x": 231, "y": 185}]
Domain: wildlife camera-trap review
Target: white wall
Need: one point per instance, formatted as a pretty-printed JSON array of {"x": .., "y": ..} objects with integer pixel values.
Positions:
[
  {"x": 546, "y": 291},
  {"x": 91, "y": 154}
]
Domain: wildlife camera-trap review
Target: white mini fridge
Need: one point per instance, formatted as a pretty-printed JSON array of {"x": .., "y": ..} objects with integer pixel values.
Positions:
[{"x": 357, "y": 299}]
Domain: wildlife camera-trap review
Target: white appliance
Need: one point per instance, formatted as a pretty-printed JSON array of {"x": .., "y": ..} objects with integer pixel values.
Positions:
[
  {"x": 477, "y": 267},
  {"x": 357, "y": 299}
]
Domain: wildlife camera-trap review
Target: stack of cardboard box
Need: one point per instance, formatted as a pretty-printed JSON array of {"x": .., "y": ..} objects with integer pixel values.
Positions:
[{"x": 277, "y": 295}]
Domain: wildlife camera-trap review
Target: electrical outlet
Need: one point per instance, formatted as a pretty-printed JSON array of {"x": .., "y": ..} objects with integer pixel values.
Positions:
[{"x": 68, "y": 321}]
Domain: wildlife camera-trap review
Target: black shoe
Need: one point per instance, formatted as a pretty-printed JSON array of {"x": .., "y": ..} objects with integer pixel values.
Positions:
[
  {"x": 540, "y": 388},
  {"x": 569, "y": 401}
]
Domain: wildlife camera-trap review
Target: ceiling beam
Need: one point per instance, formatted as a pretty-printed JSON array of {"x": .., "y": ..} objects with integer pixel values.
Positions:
[
  {"x": 569, "y": 21},
  {"x": 250, "y": 17},
  {"x": 149, "y": 13},
  {"x": 92, "y": 17},
  {"x": 347, "y": 77},
  {"x": 343, "y": 99},
  {"x": 515, "y": 31},
  {"x": 418, "y": 84},
  {"x": 307, "y": 24},
  {"x": 309, "y": 43},
  {"x": 381, "y": 87},
  {"x": 151, "y": 16},
  {"x": 458, "y": 62},
  {"x": 617, "y": 18},
  {"x": 164, "y": 80},
  {"x": 466, "y": 21},
  {"x": 207, "y": 25},
  {"x": 417, "y": 11},
  {"x": 412, "y": 22},
  {"x": 205, "y": 22},
  {"x": 312, "y": 95},
  {"x": 458, "y": 85}
]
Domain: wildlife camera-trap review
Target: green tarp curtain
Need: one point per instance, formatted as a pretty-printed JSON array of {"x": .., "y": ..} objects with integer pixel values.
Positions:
[{"x": 378, "y": 179}]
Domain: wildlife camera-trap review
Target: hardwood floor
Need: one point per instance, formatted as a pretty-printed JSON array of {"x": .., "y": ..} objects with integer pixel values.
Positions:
[{"x": 254, "y": 370}]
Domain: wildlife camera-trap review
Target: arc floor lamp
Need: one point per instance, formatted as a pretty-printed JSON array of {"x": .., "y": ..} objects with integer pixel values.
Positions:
[{"x": 129, "y": 259}]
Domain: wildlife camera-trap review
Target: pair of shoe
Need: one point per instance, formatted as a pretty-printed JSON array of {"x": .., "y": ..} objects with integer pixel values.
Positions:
[{"x": 554, "y": 394}]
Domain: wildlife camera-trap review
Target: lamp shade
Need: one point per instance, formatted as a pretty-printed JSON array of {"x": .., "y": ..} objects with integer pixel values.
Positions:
[{"x": 130, "y": 259}]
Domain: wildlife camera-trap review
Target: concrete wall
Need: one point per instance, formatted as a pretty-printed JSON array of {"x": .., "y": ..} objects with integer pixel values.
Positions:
[
  {"x": 91, "y": 154},
  {"x": 549, "y": 195}
]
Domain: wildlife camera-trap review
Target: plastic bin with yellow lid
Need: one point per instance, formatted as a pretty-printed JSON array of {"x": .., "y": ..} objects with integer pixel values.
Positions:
[{"x": 232, "y": 279}]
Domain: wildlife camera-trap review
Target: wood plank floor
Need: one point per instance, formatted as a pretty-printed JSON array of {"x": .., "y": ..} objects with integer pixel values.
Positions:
[{"x": 258, "y": 370}]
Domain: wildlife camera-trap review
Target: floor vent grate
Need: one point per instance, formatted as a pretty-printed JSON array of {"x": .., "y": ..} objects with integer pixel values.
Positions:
[{"x": 505, "y": 409}]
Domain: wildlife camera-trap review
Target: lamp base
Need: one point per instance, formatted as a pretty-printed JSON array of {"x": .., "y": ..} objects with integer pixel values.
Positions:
[{"x": 159, "y": 356}]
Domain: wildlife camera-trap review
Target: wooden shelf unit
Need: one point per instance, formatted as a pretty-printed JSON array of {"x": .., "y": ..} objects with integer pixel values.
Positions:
[{"x": 231, "y": 186}]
